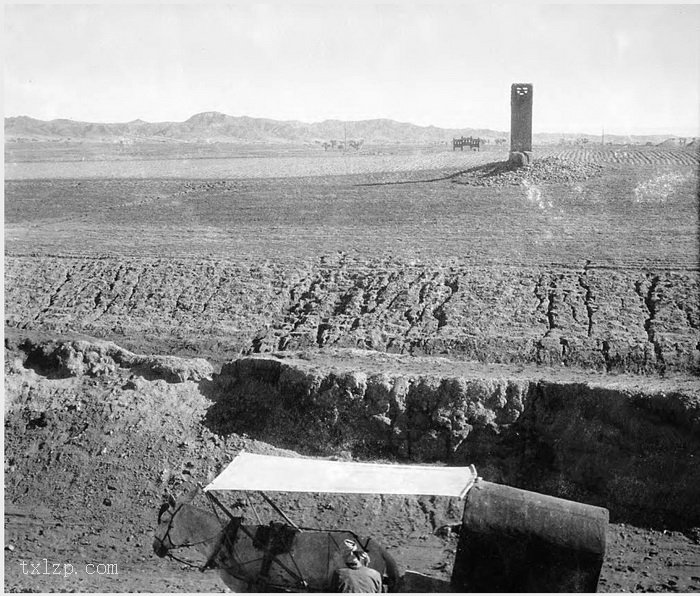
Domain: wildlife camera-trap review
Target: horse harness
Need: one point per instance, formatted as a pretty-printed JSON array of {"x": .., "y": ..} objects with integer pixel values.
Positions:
[
  {"x": 230, "y": 531},
  {"x": 273, "y": 540}
]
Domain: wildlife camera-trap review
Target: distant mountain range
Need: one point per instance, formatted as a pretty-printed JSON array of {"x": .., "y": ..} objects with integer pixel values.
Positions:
[{"x": 218, "y": 127}]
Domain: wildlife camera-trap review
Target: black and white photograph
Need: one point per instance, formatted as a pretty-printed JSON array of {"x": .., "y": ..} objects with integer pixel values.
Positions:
[{"x": 351, "y": 296}]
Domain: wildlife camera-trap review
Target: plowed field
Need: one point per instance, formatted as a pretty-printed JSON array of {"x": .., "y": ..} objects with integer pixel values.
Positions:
[{"x": 600, "y": 272}]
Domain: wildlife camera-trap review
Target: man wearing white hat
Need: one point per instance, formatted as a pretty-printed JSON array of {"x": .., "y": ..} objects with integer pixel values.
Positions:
[{"x": 357, "y": 576}]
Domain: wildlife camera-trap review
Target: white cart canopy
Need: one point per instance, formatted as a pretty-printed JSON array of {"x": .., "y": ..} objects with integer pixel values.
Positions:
[{"x": 287, "y": 474}]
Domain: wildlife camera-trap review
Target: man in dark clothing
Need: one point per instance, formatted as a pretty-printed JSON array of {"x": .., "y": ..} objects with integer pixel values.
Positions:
[{"x": 357, "y": 577}]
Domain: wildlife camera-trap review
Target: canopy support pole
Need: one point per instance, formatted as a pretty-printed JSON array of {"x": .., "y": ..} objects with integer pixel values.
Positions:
[
  {"x": 210, "y": 495},
  {"x": 250, "y": 502},
  {"x": 278, "y": 510}
]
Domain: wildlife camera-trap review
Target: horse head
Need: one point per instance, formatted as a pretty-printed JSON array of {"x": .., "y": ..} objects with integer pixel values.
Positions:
[{"x": 182, "y": 525}]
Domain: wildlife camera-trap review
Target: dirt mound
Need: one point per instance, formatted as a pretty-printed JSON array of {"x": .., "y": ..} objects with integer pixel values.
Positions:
[
  {"x": 672, "y": 142},
  {"x": 548, "y": 170},
  {"x": 61, "y": 359}
]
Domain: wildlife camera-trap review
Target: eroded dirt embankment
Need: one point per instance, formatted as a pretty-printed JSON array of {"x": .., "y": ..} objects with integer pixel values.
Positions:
[
  {"x": 633, "y": 448},
  {"x": 95, "y": 434},
  {"x": 629, "y": 444},
  {"x": 614, "y": 320}
]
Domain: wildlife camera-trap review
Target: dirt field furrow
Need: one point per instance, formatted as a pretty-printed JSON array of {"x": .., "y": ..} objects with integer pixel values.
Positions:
[{"x": 608, "y": 320}]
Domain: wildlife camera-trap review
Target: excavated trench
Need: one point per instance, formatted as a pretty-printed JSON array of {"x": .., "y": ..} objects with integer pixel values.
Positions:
[
  {"x": 632, "y": 449},
  {"x": 629, "y": 444}
]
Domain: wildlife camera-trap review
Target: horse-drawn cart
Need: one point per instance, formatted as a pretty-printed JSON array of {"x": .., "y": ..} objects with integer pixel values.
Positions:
[
  {"x": 462, "y": 142},
  {"x": 506, "y": 533}
]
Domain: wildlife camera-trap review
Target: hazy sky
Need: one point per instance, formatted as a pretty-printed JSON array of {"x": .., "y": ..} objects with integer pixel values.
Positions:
[{"x": 628, "y": 68}]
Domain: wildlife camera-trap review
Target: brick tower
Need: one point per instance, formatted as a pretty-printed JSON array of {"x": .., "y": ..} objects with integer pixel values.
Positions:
[{"x": 520, "y": 122}]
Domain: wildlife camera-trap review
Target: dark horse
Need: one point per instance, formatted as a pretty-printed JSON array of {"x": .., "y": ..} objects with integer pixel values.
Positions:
[{"x": 263, "y": 558}]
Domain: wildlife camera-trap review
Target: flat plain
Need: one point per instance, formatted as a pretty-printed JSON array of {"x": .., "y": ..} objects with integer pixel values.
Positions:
[{"x": 412, "y": 260}]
